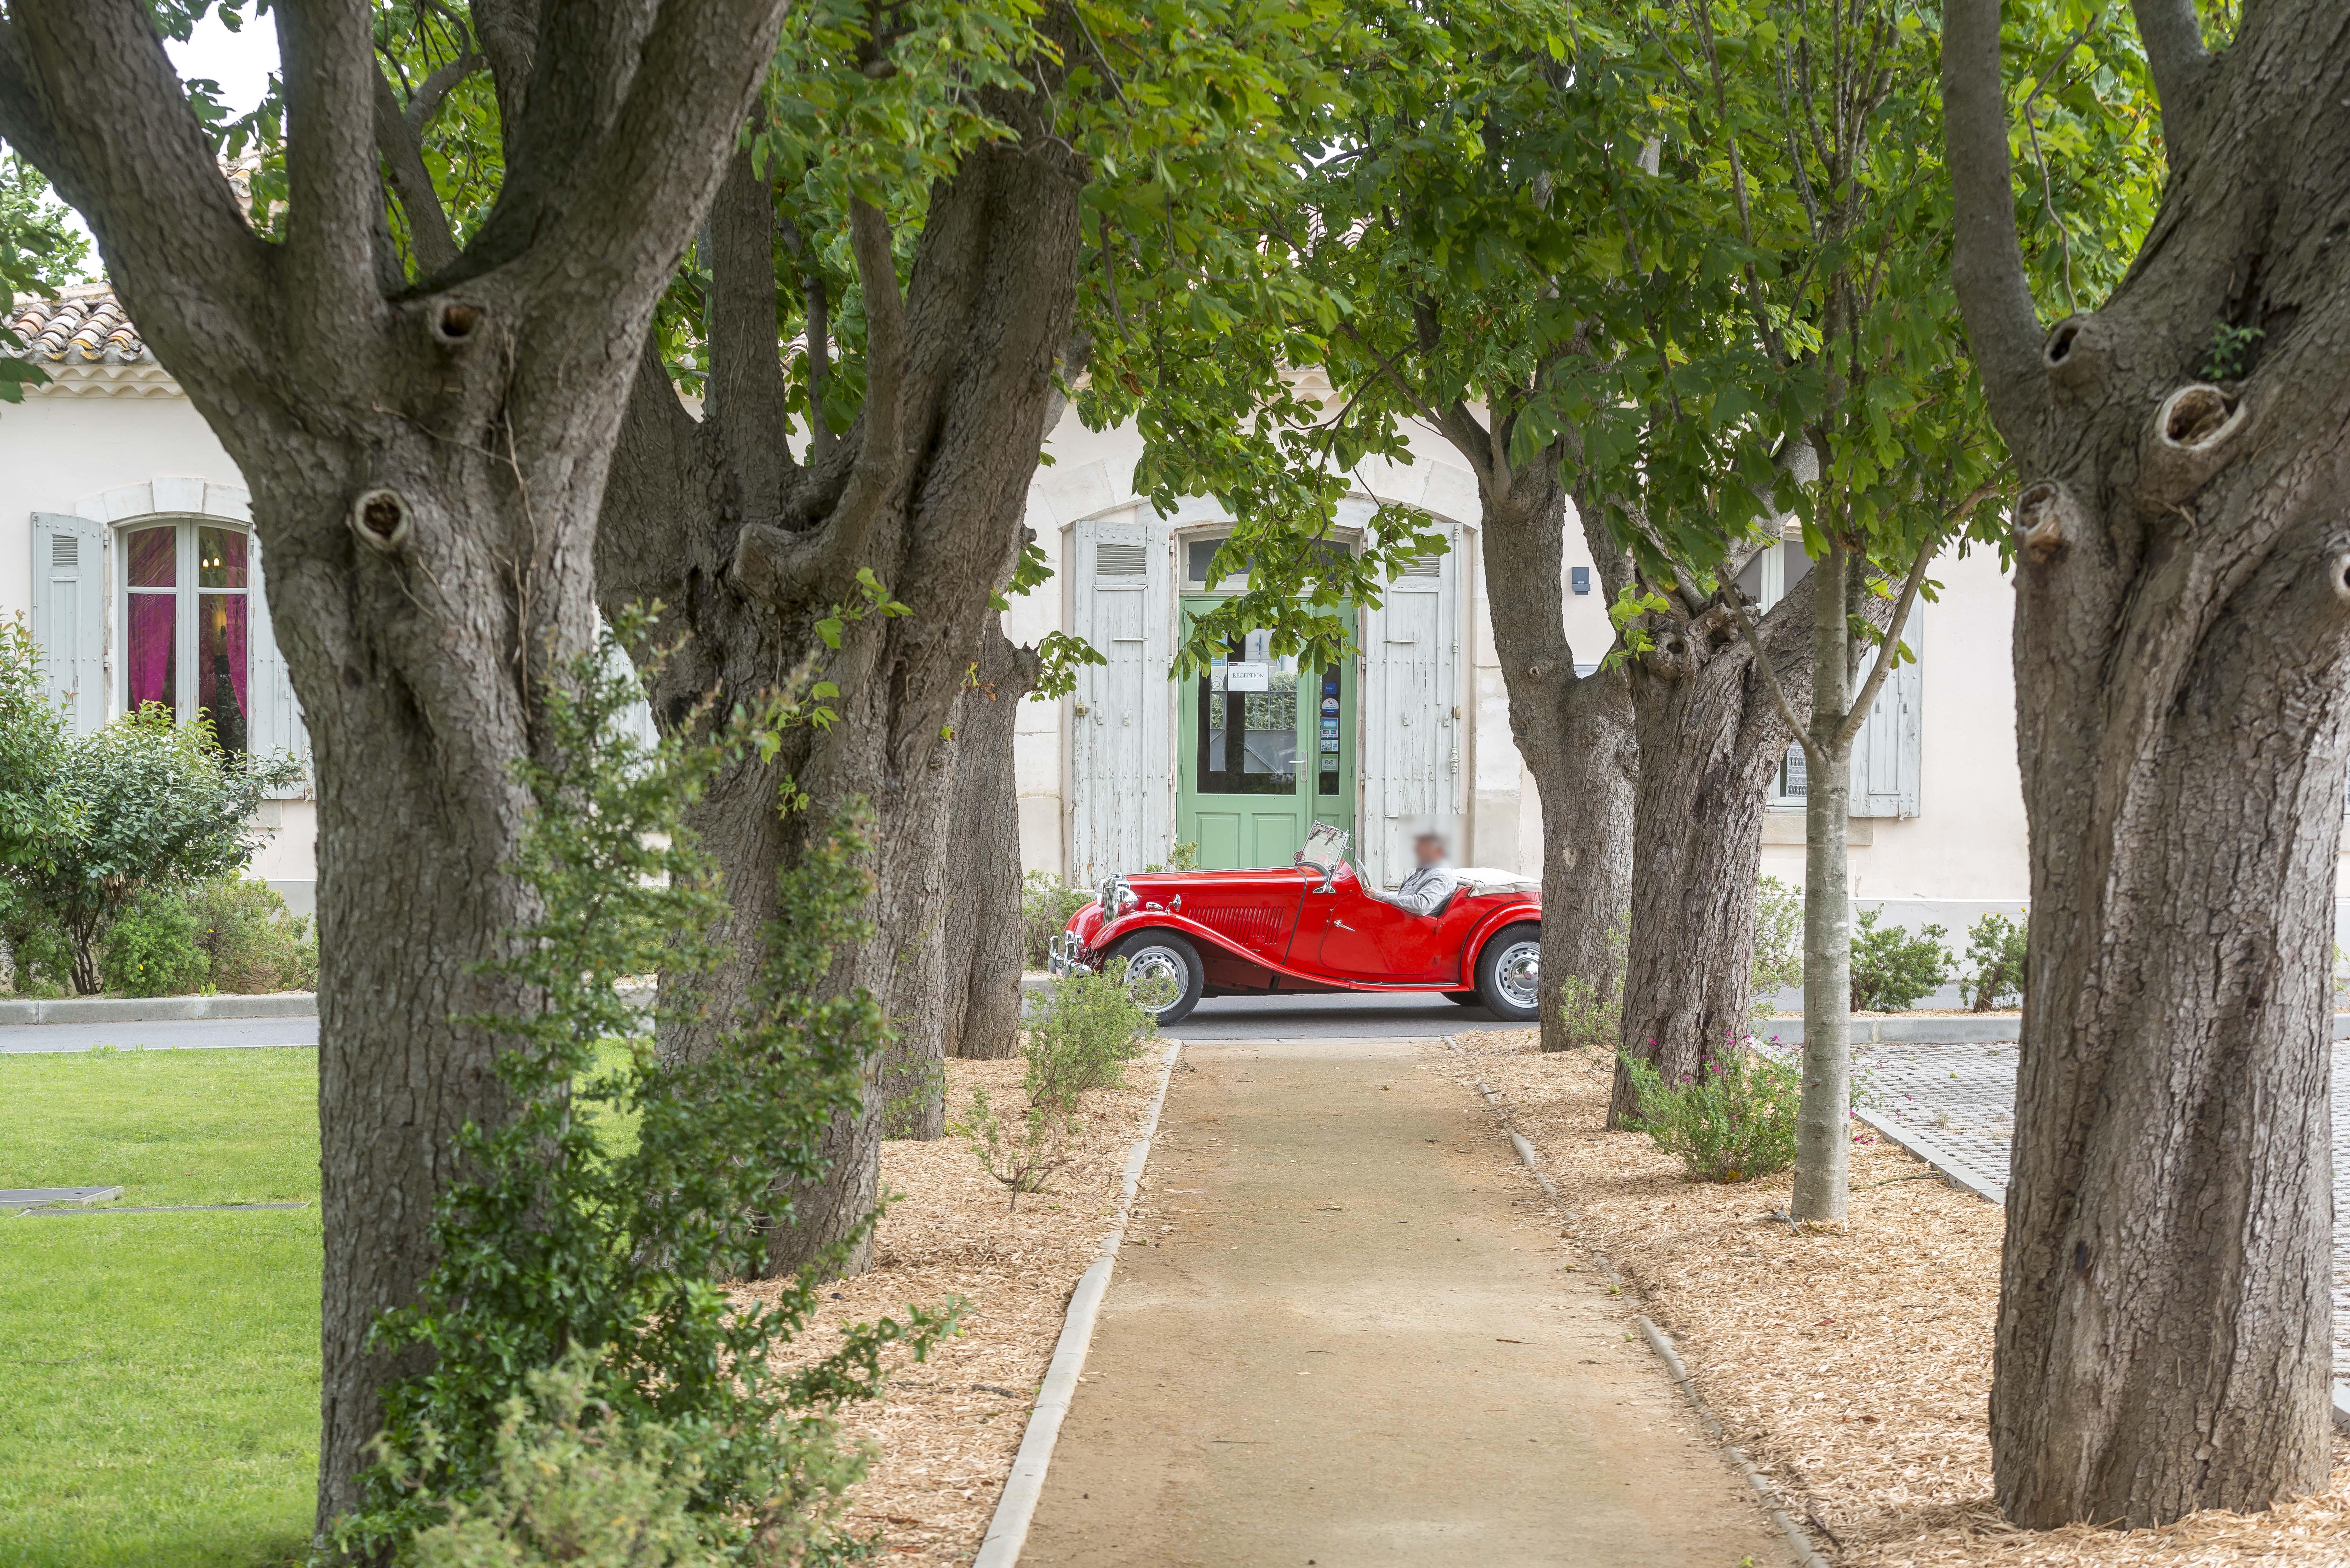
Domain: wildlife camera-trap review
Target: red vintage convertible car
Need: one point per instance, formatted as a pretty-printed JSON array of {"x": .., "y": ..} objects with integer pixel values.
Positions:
[{"x": 1314, "y": 926}]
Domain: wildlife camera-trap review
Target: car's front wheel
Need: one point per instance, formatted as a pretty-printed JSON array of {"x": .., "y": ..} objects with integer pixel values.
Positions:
[
  {"x": 1509, "y": 974},
  {"x": 1162, "y": 974}
]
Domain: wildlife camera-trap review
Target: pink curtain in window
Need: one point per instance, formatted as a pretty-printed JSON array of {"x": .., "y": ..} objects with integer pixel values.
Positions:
[
  {"x": 222, "y": 620},
  {"x": 151, "y": 648}
]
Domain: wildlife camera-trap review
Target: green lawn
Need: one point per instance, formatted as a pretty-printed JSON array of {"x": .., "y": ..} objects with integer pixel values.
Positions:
[{"x": 159, "y": 1373}]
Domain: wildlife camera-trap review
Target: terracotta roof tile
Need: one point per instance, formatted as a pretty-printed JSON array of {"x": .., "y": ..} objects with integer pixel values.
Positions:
[{"x": 85, "y": 325}]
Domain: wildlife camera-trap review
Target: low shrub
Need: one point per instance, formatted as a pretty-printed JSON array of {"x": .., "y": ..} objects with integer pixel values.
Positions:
[
  {"x": 574, "y": 1486},
  {"x": 1081, "y": 1034},
  {"x": 1891, "y": 968},
  {"x": 1734, "y": 1126},
  {"x": 1995, "y": 949},
  {"x": 1045, "y": 905},
  {"x": 1021, "y": 1159},
  {"x": 1591, "y": 1012},
  {"x": 151, "y": 948},
  {"x": 254, "y": 942},
  {"x": 40, "y": 954}
]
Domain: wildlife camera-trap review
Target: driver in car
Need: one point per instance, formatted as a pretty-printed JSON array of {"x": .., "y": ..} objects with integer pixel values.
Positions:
[{"x": 1431, "y": 882}]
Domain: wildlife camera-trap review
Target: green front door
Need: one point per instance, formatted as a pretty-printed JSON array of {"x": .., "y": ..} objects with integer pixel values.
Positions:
[{"x": 1265, "y": 750}]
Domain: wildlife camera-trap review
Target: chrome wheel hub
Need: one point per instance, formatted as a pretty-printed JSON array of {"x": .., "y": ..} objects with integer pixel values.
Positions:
[
  {"x": 1155, "y": 978},
  {"x": 1519, "y": 972}
]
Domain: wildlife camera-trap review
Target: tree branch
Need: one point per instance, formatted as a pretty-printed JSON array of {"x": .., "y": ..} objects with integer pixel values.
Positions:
[
  {"x": 816, "y": 307},
  {"x": 1746, "y": 629},
  {"x": 1865, "y": 698},
  {"x": 329, "y": 264},
  {"x": 606, "y": 214},
  {"x": 88, "y": 95},
  {"x": 2174, "y": 51},
  {"x": 780, "y": 566},
  {"x": 1987, "y": 260},
  {"x": 403, "y": 160},
  {"x": 748, "y": 394}
]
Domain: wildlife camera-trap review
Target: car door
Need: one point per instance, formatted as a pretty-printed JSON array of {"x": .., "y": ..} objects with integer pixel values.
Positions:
[{"x": 1366, "y": 938}]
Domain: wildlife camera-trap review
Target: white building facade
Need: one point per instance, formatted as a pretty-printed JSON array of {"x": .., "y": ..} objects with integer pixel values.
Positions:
[{"x": 125, "y": 538}]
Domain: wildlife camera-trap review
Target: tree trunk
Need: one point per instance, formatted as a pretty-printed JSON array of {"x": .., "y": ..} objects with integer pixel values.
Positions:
[
  {"x": 1822, "y": 1138},
  {"x": 986, "y": 945},
  {"x": 2182, "y": 639},
  {"x": 754, "y": 551},
  {"x": 1574, "y": 732},
  {"x": 1710, "y": 737}
]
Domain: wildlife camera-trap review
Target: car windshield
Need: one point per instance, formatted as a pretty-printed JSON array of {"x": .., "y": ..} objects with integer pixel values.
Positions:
[{"x": 1326, "y": 848}]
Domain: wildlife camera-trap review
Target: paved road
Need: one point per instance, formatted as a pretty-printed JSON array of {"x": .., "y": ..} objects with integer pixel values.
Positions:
[
  {"x": 1349, "y": 1340},
  {"x": 1341, "y": 1016},
  {"x": 195, "y": 1035}
]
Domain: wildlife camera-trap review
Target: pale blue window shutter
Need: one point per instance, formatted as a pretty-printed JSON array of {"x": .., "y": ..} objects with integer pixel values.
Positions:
[
  {"x": 1886, "y": 754},
  {"x": 70, "y": 613},
  {"x": 274, "y": 723}
]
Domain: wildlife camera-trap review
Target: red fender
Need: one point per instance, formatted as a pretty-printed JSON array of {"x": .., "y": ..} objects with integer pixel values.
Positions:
[{"x": 1524, "y": 912}]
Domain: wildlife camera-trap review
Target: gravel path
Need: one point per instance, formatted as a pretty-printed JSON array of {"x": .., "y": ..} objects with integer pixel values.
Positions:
[{"x": 1955, "y": 1104}]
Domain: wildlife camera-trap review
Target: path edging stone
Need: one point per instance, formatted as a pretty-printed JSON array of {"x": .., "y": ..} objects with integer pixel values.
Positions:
[
  {"x": 1773, "y": 1504},
  {"x": 1015, "y": 1510}
]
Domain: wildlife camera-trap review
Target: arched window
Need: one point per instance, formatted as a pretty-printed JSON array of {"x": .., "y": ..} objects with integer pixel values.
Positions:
[{"x": 187, "y": 624}]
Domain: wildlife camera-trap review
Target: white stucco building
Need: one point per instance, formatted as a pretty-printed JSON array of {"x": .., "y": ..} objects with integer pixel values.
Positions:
[{"x": 124, "y": 537}]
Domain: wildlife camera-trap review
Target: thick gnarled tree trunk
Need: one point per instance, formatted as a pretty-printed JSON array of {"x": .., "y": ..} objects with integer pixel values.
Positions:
[
  {"x": 427, "y": 462},
  {"x": 753, "y": 549},
  {"x": 1711, "y": 736},
  {"x": 2182, "y": 639},
  {"x": 987, "y": 942},
  {"x": 1574, "y": 732}
]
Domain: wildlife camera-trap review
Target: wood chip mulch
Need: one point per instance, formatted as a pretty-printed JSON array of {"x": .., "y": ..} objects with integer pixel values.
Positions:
[
  {"x": 946, "y": 1429},
  {"x": 1852, "y": 1368}
]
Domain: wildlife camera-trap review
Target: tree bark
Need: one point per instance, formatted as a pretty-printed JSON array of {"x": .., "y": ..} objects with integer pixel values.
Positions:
[
  {"x": 1575, "y": 734},
  {"x": 986, "y": 939},
  {"x": 1711, "y": 736},
  {"x": 2182, "y": 636},
  {"x": 751, "y": 550},
  {"x": 1823, "y": 1142}
]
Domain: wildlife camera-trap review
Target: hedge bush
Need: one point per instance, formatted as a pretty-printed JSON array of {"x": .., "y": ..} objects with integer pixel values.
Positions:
[
  {"x": 1995, "y": 949},
  {"x": 1045, "y": 905},
  {"x": 1891, "y": 968}
]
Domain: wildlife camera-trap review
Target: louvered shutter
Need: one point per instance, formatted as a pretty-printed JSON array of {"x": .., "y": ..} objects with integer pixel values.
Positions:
[
  {"x": 1886, "y": 754},
  {"x": 273, "y": 718},
  {"x": 70, "y": 613}
]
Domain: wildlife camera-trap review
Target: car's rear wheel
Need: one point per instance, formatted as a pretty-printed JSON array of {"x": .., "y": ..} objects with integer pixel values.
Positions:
[
  {"x": 1465, "y": 998},
  {"x": 1509, "y": 974},
  {"x": 1162, "y": 974}
]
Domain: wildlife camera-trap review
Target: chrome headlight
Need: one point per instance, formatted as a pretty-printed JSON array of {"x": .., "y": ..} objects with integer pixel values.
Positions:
[{"x": 1117, "y": 896}]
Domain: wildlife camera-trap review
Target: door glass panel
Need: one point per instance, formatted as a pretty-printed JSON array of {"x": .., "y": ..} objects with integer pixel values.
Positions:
[{"x": 1248, "y": 721}]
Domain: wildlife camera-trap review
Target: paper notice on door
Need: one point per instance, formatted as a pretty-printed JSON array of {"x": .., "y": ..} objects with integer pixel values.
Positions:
[{"x": 1239, "y": 677}]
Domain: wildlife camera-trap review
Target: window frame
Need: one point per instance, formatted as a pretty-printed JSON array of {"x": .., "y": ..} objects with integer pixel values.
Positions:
[{"x": 186, "y": 593}]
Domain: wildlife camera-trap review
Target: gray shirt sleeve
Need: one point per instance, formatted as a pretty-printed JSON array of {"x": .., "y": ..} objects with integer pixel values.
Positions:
[{"x": 1425, "y": 890}]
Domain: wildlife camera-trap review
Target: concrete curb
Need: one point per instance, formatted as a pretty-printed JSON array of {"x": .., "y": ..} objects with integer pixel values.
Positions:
[
  {"x": 1807, "y": 1554},
  {"x": 1007, "y": 1532},
  {"x": 159, "y": 1009}
]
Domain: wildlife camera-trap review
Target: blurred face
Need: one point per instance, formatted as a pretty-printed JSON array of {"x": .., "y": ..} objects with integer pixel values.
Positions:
[{"x": 1429, "y": 848}]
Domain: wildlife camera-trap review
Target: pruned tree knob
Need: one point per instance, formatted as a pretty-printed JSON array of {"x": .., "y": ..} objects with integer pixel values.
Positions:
[
  {"x": 2340, "y": 567},
  {"x": 2071, "y": 356},
  {"x": 381, "y": 518},
  {"x": 2197, "y": 418},
  {"x": 2047, "y": 521},
  {"x": 456, "y": 321},
  {"x": 2194, "y": 435}
]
